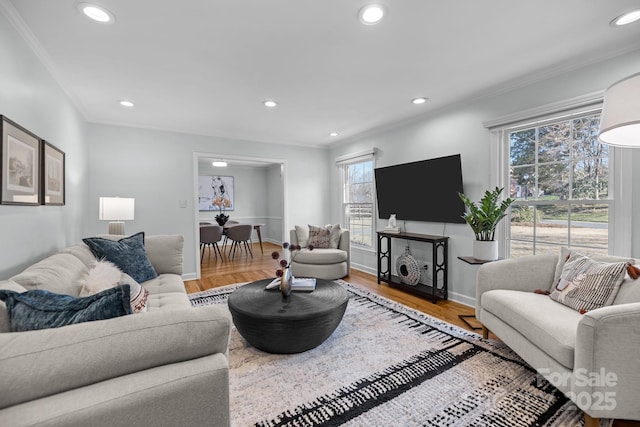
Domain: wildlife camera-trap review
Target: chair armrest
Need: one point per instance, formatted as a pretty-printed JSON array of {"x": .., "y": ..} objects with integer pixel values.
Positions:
[
  {"x": 40, "y": 363},
  {"x": 345, "y": 245},
  {"x": 606, "y": 361},
  {"x": 525, "y": 274}
]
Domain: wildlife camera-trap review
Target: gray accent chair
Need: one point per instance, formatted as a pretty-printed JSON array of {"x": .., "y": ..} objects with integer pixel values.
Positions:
[
  {"x": 580, "y": 354},
  {"x": 328, "y": 264},
  {"x": 166, "y": 367}
]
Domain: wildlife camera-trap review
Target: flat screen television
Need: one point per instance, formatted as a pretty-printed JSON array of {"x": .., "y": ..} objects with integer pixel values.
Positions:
[{"x": 425, "y": 190}]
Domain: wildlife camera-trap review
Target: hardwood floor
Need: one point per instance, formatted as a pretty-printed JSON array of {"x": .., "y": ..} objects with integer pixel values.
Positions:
[{"x": 244, "y": 268}]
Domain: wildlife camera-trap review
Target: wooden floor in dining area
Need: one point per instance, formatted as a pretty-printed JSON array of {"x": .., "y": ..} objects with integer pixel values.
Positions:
[{"x": 244, "y": 268}]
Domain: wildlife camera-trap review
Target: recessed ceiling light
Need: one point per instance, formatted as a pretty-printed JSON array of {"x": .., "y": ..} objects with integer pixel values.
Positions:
[
  {"x": 96, "y": 13},
  {"x": 126, "y": 103},
  {"x": 270, "y": 103},
  {"x": 419, "y": 101},
  {"x": 626, "y": 18},
  {"x": 219, "y": 164},
  {"x": 371, "y": 14},
  {"x": 333, "y": 134}
]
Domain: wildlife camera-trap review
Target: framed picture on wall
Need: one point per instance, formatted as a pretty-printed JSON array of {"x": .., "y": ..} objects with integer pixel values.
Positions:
[
  {"x": 20, "y": 166},
  {"x": 215, "y": 193},
  {"x": 53, "y": 184}
]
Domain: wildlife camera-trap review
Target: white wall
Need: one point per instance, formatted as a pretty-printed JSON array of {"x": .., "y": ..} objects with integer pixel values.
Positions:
[
  {"x": 31, "y": 98},
  {"x": 250, "y": 192},
  {"x": 156, "y": 168},
  {"x": 459, "y": 129},
  {"x": 275, "y": 206},
  {"x": 257, "y": 197}
]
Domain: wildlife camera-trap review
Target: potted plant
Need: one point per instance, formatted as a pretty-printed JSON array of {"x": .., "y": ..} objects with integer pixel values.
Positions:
[{"x": 483, "y": 217}]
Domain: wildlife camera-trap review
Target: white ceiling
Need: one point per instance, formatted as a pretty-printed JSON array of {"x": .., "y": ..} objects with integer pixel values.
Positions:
[{"x": 205, "y": 66}]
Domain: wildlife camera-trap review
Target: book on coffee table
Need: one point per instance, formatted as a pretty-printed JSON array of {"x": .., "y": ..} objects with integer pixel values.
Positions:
[{"x": 306, "y": 284}]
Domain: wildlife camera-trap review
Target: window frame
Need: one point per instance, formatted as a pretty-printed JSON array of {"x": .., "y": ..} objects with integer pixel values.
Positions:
[
  {"x": 620, "y": 167},
  {"x": 343, "y": 163}
]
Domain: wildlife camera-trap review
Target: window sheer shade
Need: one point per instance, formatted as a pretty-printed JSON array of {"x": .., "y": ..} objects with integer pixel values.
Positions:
[{"x": 358, "y": 157}]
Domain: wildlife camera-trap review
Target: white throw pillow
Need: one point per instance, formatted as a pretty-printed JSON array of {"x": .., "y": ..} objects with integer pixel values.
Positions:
[
  {"x": 334, "y": 235},
  {"x": 104, "y": 275},
  {"x": 302, "y": 233}
]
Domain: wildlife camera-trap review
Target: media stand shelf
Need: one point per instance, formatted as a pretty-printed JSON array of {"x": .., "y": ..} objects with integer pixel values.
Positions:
[{"x": 439, "y": 245}]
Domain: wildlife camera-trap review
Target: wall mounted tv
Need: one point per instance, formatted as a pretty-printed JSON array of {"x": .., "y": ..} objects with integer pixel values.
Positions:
[{"x": 426, "y": 190}]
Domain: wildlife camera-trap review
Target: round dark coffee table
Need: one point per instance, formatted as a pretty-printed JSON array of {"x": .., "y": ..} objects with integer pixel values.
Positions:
[{"x": 299, "y": 323}]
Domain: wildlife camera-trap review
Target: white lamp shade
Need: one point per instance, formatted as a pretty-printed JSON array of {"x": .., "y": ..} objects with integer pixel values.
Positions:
[
  {"x": 620, "y": 122},
  {"x": 116, "y": 208}
]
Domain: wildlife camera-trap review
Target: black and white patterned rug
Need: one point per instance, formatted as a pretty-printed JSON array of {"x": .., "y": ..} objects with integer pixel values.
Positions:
[{"x": 389, "y": 365}]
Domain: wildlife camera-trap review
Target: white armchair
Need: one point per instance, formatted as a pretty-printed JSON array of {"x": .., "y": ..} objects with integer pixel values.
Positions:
[{"x": 322, "y": 263}]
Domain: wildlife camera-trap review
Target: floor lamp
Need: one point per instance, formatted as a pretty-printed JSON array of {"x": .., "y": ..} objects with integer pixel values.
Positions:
[
  {"x": 620, "y": 122},
  {"x": 116, "y": 210}
]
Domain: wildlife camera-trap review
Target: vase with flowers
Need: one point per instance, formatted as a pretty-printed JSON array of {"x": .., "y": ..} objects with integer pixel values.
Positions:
[
  {"x": 283, "y": 272},
  {"x": 221, "y": 203}
]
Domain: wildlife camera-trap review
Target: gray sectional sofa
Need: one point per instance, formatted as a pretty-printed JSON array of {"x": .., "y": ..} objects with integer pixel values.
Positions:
[
  {"x": 167, "y": 366},
  {"x": 591, "y": 357}
]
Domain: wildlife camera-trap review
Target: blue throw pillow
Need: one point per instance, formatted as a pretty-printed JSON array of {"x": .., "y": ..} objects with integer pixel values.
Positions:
[
  {"x": 127, "y": 253},
  {"x": 40, "y": 309}
]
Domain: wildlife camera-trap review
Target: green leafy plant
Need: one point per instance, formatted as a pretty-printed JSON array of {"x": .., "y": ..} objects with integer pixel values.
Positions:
[{"x": 484, "y": 216}]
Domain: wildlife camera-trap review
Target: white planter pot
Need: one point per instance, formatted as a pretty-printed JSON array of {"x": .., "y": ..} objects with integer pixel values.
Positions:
[{"x": 485, "y": 250}]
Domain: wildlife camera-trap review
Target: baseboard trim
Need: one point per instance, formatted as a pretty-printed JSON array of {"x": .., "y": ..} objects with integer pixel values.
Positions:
[
  {"x": 189, "y": 276},
  {"x": 453, "y": 296}
]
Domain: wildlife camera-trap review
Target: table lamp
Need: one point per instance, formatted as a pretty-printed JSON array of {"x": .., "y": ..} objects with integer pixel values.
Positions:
[
  {"x": 117, "y": 210},
  {"x": 620, "y": 122}
]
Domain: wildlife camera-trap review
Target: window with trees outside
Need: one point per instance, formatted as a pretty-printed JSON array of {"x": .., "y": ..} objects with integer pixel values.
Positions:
[
  {"x": 358, "y": 197},
  {"x": 559, "y": 176}
]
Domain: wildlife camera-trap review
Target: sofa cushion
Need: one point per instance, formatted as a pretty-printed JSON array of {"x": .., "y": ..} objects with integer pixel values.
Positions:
[
  {"x": 57, "y": 273},
  {"x": 629, "y": 291},
  {"x": 166, "y": 292},
  {"x": 586, "y": 284},
  {"x": 127, "y": 253},
  {"x": 165, "y": 252},
  {"x": 321, "y": 256},
  {"x": 547, "y": 324},
  {"x": 40, "y": 309}
]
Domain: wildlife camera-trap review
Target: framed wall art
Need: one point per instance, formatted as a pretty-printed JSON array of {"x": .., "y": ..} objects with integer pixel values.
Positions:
[
  {"x": 215, "y": 193},
  {"x": 53, "y": 184},
  {"x": 20, "y": 168}
]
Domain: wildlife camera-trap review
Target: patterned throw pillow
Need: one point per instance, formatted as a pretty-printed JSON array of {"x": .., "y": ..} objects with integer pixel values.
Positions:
[
  {"x": 586, "y": 284},
  {"x": 139, "y": 295},
  {"x": 128, "y": 254},
  {"x": 319, "y": 237}
]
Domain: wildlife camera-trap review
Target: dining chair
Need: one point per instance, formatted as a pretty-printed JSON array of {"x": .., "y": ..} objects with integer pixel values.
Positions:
[
  {"x": 227, "y": 225},
  {"x": 240, "y": 234},
  {"x": 210, "y": 235}
]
